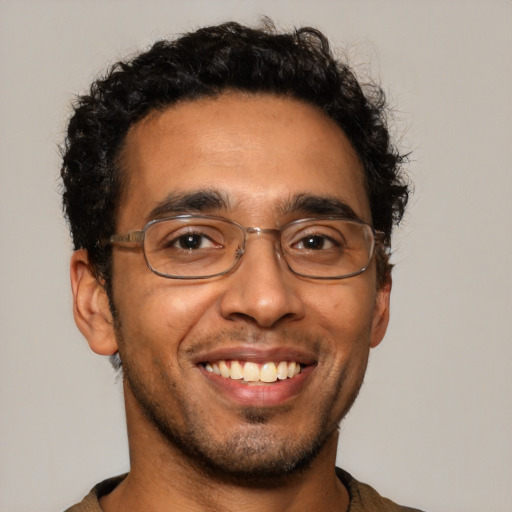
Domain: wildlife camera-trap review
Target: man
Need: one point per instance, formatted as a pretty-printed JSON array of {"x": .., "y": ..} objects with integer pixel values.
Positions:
[{"x": 231, "y": 196}]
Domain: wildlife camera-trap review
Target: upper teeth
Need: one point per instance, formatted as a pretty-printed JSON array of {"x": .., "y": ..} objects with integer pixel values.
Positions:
[{"x": 254, "y": 372}]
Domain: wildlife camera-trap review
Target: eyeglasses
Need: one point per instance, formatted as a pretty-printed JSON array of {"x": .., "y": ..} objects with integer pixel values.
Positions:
[{"x": 202, "y": 246}]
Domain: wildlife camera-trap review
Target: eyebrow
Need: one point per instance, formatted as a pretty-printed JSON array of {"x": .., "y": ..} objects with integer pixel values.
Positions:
[
  {"x": 212, "y": 200},
  {"x": 310, "y": 204},
  {"x": 199, "y": 201}
]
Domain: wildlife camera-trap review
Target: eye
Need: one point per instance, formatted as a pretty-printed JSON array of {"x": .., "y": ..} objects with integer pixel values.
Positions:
[
  {"x": 192, "y": 241},
  {"x": 315, "y": 243}
]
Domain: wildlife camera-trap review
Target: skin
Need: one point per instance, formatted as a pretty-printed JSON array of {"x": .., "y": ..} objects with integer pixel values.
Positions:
[{"x": 258, "y": 151}]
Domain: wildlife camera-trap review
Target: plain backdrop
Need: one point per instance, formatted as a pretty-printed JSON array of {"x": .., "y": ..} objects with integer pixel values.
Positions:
[{"x": 432, "y": 426}]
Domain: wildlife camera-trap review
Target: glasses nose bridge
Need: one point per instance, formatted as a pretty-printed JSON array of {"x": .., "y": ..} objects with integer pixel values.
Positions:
[{"x": 259, "y": 232}]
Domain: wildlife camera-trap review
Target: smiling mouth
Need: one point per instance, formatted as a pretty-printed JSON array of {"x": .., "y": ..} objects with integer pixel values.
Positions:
[{"x": 249, "y": 371}]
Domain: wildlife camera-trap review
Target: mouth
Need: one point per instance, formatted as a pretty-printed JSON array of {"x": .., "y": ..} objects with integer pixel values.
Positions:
[
  {"x": 250, "y": 376},
  {"x": 249, "y": 371}
]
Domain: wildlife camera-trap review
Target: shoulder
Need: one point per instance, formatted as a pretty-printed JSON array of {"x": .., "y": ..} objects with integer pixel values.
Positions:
[
  {"x": 91, "y": 502},
  {"x": 364, "y": 498}
]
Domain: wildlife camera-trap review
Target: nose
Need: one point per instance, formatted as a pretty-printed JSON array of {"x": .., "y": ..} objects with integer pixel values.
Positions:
[{"x": 262, "y": 289}]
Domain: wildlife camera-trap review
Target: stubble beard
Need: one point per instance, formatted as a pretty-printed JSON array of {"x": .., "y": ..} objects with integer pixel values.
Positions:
[{"x": 254, "y": 455}]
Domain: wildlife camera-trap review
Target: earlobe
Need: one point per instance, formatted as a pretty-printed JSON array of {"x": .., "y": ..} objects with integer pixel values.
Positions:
[
  {"x": 381, "y": 313},
  {"x": 91, "y": 307}
]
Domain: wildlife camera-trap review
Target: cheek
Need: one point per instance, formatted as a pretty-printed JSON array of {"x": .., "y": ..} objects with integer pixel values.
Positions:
[
  {"x": 344, "y": 314},
  {"x": 347, "y": 309},
  {"x": 160, "y": 314}
]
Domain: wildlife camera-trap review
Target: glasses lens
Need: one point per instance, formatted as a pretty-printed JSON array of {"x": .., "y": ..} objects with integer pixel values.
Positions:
[
  {"x": 192, "y": 247},
  {"x": 328, "y": 248},
  {"x": 196, "y": 247}
]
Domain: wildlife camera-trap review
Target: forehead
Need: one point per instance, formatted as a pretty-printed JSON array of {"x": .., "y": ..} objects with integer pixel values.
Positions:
[{"x": 257, "y": 151}]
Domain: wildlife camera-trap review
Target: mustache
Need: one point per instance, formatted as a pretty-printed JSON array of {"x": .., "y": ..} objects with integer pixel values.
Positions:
[{"x": 242, "y": 335}]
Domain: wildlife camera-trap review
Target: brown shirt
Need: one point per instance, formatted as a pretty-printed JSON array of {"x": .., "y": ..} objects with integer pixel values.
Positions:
[{"x": 363, "y": 498}]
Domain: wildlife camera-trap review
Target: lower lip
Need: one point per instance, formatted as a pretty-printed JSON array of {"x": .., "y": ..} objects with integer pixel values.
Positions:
[{"x": 259, "y": 394}]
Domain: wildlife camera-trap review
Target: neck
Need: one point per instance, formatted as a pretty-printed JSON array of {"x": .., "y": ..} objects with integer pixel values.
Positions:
[{"x": 163, "y": 478}]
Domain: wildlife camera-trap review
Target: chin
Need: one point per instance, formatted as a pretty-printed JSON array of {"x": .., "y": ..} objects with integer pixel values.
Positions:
[{"x": 254, "y": 456}]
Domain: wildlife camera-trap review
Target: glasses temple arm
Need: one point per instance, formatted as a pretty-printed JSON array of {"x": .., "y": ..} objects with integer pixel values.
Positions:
[{"x": 132, "y": 236}]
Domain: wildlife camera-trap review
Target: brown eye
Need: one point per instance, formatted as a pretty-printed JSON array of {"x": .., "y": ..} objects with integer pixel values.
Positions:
[
  {"x": 315, "y": 243},
  {"x": 191, "y": 241}
]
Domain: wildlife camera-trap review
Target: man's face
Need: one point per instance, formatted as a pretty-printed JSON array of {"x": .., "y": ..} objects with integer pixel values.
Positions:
[{"x": 258, "y": 157}]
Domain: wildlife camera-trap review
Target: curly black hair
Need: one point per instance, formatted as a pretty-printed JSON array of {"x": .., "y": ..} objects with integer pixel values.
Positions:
[{"x": 206, "y": 63}]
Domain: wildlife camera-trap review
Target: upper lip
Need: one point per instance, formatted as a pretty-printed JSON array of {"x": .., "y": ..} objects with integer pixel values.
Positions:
[{"x": 256, "y": 355}]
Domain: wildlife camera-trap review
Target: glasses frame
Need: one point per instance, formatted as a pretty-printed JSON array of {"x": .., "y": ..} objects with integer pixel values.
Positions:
[{"x": 138, "y": 236}]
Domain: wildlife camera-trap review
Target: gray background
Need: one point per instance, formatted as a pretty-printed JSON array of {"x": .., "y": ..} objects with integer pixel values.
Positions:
[{"x": 432, "y": 427}]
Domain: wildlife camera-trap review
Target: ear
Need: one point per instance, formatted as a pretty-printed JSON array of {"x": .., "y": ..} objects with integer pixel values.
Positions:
[
  {"x": 90, "y": 306},
  {"x": 381, "y": 313}
]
